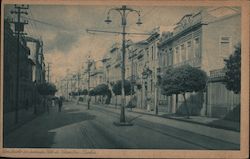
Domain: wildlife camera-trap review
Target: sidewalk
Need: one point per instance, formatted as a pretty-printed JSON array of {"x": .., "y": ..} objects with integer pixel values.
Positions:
[
  {"x": 224, "y": 135},
  {"x": 201, "y": 120},
  {"x": 24, "y": 116}
]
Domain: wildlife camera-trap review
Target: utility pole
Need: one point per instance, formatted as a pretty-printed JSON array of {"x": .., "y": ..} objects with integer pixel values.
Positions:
[
  {"x": 78, "y": 86},
  {"x": 19, "y": 29},
  {"x": 48, "y": 75},
  {"x": 67, "y": 84},
  {"x": 88, "y": 70}
]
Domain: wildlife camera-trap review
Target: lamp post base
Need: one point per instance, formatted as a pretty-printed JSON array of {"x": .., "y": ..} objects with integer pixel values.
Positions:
[{"x": 123, "y": 123}]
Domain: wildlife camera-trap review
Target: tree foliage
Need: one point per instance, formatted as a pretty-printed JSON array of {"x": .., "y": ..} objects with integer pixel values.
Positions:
[
  {"x": 117, "y": 88},
  {"x": 233, "y": 73},
  {"x": 46, "y": 89},
  {"x": 183, "y": 79},
  {"x": 84, "y": 92},
  {"x": 101, "y": 89},
  {"x": 92, "y": 92}
]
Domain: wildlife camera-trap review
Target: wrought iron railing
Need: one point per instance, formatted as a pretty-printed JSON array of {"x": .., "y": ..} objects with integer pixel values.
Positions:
[{"x": 217, "y": 73}]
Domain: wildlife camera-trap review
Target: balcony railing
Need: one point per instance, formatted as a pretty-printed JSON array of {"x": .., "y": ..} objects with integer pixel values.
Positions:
[
  {"x": 196, "y": 62},
  {"x": 217, "y": 73}
]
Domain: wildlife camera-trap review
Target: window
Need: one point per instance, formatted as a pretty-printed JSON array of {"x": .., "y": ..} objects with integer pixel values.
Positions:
[
  {"x": 152, "y": 51},
  {"x": 151, "y": 85},
  {"x": 183, "y": 52},
  {"x": 177, "y": 55},
  {"x": 189, "y": 50},
  {"x": 225, "y": 46},
  {"x": 196, "y": 47},
  {"x": 162, "y": 58},
  {"x": 170, "y": 57}
]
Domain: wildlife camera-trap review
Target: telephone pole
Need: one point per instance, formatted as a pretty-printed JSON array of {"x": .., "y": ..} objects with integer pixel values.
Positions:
[
  {"x": 78, "y": 86},
  {"x": 89, "y": 63},
  {"x": 48, "y": 69},
  {"x": 19, "y": 30}
]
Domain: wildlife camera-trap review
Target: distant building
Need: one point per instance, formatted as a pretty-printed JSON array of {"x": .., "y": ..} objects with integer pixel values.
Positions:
[
  {"x": 203, "y": 40},
  {"x": 37, "y": 56},
  {"x": 112, "y": 68},
  {"x": 96, "y": 74}
]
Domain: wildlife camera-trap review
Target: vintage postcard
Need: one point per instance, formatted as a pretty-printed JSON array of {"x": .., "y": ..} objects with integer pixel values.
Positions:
[{"x": 125, "y": 79}]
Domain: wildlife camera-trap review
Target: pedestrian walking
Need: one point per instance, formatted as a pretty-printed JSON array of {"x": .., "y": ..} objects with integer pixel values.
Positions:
[
  {"x": 60, "y": 104},
  {"x": 89, "y": 99}
]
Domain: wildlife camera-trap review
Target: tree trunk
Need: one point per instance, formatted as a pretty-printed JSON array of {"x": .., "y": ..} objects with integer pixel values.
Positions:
[
  {"x": 115, "y": 101},
  {"x": 185, "y": 104},
  {"x": 176, "y": 102}
]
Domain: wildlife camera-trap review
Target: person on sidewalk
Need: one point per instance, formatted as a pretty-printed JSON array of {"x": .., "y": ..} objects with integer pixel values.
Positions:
[
  {"x": 60, "y": 104},
  {"x": 89, "y": 99}
]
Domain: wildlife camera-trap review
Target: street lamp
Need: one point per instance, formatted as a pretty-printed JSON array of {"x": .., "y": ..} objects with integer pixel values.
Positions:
[{"x": 123, "y": 11}]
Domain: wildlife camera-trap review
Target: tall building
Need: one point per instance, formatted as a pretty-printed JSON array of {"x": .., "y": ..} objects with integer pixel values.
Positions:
[{"x": 27, "y": 90}]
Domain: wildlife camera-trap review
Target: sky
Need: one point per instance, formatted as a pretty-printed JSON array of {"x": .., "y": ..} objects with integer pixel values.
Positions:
[{"x": 66, "y": 42}]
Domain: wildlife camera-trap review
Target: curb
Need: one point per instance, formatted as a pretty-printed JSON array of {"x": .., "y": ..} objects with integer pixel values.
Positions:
[
  {"x": 209, "y": 125},
  {"x": 183, "y": 120}
]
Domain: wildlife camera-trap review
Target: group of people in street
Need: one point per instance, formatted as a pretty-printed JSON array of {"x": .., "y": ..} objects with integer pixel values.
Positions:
[{"x": 52, "y": 102}]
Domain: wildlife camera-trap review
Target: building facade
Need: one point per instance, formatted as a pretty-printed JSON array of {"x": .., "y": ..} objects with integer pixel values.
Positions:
[
  {"x": 27, "y": 94},
  {"x": 203, "y": 40}
]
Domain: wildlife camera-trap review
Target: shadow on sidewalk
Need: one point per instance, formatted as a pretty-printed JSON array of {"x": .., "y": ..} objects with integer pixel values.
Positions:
[{"x": 37, "y": 134}]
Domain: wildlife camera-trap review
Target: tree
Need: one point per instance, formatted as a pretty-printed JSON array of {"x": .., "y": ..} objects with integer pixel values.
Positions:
[
  {"x": 92, "y": 92},
  {"x": 233, "y": 73},
  {"x": 181, "y": 80},
  {"x": 103, "y": 90},
  {"x": 117, "y": 88},
  {"x": 84, "y": 92},
  {"x": 46, "y": 89}
]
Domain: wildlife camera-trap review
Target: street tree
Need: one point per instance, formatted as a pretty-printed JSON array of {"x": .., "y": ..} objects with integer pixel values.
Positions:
[
  {"x": 46, "y": 89},
  {"x": 117, "y": 90},
  {"x": 84, "y": 92},
  {"x": 181, "y": 80},
  {"x": 103, "y": 90},
  {"x": 92, "y": 92},
  {"x": 232, "y": 75}
]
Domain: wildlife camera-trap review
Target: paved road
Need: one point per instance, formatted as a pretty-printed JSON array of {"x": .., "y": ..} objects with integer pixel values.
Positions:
[{"x": 77, "y": 127}]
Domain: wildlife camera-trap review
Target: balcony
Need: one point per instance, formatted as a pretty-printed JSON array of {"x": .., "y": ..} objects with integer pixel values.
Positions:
[
  {"x": 195, "y": 62},
  {"x": 217, "y": 75}
]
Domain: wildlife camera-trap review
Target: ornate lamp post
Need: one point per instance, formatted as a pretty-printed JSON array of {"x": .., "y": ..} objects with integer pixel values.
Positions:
[{"x": 123, "y": 11}]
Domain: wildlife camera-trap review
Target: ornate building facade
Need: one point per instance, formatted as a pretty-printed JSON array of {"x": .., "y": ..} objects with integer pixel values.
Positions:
[{"x": 203, "y": 40}]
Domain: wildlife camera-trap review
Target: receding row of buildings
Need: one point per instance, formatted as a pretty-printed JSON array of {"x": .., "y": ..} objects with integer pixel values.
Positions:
[
  {"x": 31, "y": 69},
  {"x": 202, "y": 39}
]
